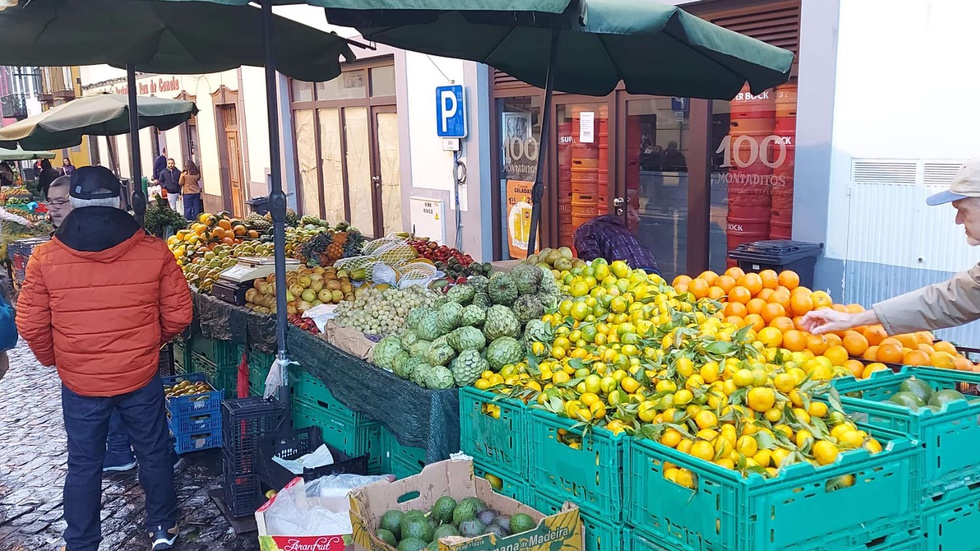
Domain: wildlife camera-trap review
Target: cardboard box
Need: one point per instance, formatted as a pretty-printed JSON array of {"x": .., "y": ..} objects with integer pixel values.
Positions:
[
  {"x": 455, "y": 478},
  {"x": 326, "y": 542}
]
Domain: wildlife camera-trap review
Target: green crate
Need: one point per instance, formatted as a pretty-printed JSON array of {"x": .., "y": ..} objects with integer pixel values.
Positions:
[
  {"x": 227, "y": 380},
  {"x": 181, "y": 356},
  {"x": 592, "y": 476},
  {"x": 950, "y": 439},
  {"x": 600, "y": 534},
  {"x": 201, "y": 364},
  {"x": 353, "y": 439},
  {"x": 306, "y": 387},
  {"x": 794, "y": 511},
  {"x": 257, "y": 375},
  {"x": 498, "y": 438},
  {"x": 638, "y": 541},
  {"x": 260, "y": 360},
  {"x": 402, "y": 468},
  {"x": 220, "y": 353},
  {"x": 394, "y": 452},
  {"x": 957, "y": 521},
  {"x": 511, "y": 485}
]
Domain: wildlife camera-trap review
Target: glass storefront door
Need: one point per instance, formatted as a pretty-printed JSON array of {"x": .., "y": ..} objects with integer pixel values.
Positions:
[
  {"x": 655, "y": 203},
  {"x": 583, "y": 166}
]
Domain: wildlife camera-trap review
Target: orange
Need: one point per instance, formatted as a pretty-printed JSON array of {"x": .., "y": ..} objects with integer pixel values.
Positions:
[
  {"x": 925, "y": 337},
  {"x": 945, "y": 346},
  {"x": 737, "y": 321},
  {"x": 821, "y": 300},
  {"x": 855, "y": 308},
  {"x": 781, "y": 298},
  {"x": 943, "y": 360},
  {"x": 740, "y": 294},
  {"x": 855, "y": 367},
  {"x": 224, "y": 224},
  {"x": 840, "y": 308},
  {"x": 834, "y": 340},
  {"x": 708, "y": 276},
  {"x": 871, "y": 368},
  {"x": 734, "y": 272},
  {"x": 217, "y": 233},
  {"x": 681, "y": 280},
  {"x": 789, "y": 279},
  {"x": 736, "y": 309},
  {"x": 752, "y": 282},
  {"x": 773, "y": 311},
  {"x": 963, "y": 364},
  {"x": 756, "y": 321},
  {"x": 836, "y": 354},
  {"x": 771, "y": 337},
  {"x": 871, "y": 354},
  {"x": 240, "y": 230},
  {"x": 699, "y": 288},
  {"x": 782, "y": 323},
  {"x": 765, "y": 294},
  {"x": 800, "y": 303},
  {"x": 908, "y": 340},
  {"x": 875, "y": 334},
  {"x": 916, "y": 357},
  {"x": 890, "y": 353},
  {"x": 228, "y": 241},
  {"x": 855, "y": 343},
  {"x": 793, "y": 340},
  {"x": 715, "y": 292},
  {"x": 770, "y": 279},
  {"x": 890, "y": 340},
  {"x": 726, "y": 282},
  {"x": 755, "y": 306},
  {"x": 817, "y": 344},
  {"x": 798, "y": 322},
  {"x": 928, "y": 349}
]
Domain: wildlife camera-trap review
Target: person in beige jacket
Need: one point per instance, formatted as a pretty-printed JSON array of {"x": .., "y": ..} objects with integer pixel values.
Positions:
[
  {"x": 948, "y": 304},
  {"x": 190, "y": 190}
]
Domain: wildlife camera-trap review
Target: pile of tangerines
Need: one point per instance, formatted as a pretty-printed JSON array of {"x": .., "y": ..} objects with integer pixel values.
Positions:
[{"x": 774, "y": 304}]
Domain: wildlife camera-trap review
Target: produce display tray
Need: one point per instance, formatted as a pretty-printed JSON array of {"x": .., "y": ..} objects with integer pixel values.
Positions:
[
  {"x": 796, "y": 511},
  {"x": 957, "y": 521},
  {"x": 511, "y": 485},
  {"x": 600, "y": 534},
  {"x": 592, "y": 476},
  {"x": 490, "y": 440},
  {"x": 950, "y": 439},
  {"x": 307, "y": 388},
  {"x": 196, "y": 404}
]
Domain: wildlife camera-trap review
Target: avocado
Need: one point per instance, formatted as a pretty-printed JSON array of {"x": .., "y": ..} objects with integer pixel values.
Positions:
[
  {"x": 417, "y": 527},
  {"x": 918, "y": 387},
  {"x": 471, "y": 528},
  {"x": 391, "y": 521},
  {"x": 411, "y": 544},
  {"x": 386, "y": 536},
  {"x": 442, "y": 511},
  {"x": 943, "y": 397},
  {"x": 521, "y": 523},
  {"x": 444, "y": 531},
  {"x": 463, "y": 512},
  {"x": 907, "y": 399}
]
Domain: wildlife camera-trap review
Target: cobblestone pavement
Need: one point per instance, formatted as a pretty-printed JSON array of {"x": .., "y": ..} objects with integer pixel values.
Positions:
[{"x": 33, "y": 463}]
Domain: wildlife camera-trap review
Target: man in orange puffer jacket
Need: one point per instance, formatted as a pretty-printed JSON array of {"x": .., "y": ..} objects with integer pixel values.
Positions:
[{"x": 98, "y": 301}]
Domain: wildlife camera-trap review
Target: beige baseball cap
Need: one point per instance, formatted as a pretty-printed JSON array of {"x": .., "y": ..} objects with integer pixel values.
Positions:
[{"x": 965, "y": 184}]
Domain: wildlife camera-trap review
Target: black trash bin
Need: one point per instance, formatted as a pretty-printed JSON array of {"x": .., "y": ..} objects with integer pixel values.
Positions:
[
  {"x": 260, "y": 205},
  {"x": 779, "y": 255}
]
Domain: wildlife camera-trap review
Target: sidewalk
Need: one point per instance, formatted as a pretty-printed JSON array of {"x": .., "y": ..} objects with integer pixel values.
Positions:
[{"x": 33, "y": 463}]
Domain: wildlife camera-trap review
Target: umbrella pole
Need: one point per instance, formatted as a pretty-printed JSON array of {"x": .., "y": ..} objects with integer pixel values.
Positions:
[
  {"x": 277, "y": 199},
  {"x": 139, "y": 200},
  {"x": 537, "y": 191}
]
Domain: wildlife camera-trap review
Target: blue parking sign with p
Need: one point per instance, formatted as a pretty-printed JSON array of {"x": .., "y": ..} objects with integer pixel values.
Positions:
[{"x": 451, "y": 111}]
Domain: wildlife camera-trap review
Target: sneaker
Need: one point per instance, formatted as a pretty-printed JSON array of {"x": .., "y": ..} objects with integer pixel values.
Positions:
[
  {"x": 120, "y": 468},
  {"x": 118, "y": 462},
  {"x": 163, "y": 538}
]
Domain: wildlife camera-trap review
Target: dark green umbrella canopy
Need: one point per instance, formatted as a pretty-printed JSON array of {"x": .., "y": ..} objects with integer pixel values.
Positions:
[
  {"x": 21, "y": 155},
  {"x": 102, "y": 115},
  {"x": 162, "y": 37},
  {"x": 652, "y": 48}
]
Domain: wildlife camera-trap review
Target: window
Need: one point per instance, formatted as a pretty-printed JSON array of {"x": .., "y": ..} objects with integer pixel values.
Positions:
[{"x": 520, "y": 134}]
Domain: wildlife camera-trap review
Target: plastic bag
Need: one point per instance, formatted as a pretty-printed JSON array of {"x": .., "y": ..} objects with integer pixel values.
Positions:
[
  {"x": 277, "y": 377},
  {"x": 321, "y": 314},
  {"x": 315, "y": 508}
]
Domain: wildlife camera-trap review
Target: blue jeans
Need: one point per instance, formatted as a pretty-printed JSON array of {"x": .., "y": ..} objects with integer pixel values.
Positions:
[
  {"x": 192, "y": 205},
  {"x": 118, "y": 450},
  {"x": 87, "y": 422}
]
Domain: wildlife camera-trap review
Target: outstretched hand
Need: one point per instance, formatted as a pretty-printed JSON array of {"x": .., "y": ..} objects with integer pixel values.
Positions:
[{"x": 828, "y": 320}]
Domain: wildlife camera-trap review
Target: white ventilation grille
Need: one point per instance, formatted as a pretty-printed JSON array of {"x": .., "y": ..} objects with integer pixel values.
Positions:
[
  {"x": 884, "y": 172},
  {"x": 939, "y": 173}
]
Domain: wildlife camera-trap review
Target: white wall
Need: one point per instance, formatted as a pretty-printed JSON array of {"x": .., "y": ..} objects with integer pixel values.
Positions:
[{"x": 905, "y": 90}]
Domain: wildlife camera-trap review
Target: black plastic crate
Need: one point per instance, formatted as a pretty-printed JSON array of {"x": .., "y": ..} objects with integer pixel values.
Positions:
[
  {"x": 243, "y": 493},
  {"x": 779, "y": 255},
  {"x": 300, "y": 443},
  {"x": 243, "y": 423},
  {"x": 166, "y": 366}
]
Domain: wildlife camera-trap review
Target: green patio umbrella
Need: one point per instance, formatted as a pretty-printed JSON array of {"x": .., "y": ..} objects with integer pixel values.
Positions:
[
  {"x": 19, "y": 154},
  {"x": 588, "y": 48},
  {"x": 102, "y": 115}
]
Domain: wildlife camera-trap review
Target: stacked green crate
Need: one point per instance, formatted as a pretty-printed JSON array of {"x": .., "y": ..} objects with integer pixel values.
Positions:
[
  {"x": 398, "y": 459},
  {"x": 218, "y": 360}
]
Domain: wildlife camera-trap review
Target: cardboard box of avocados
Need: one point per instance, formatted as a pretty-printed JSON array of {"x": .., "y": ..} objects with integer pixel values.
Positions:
[{"x": 455, "y": 478}]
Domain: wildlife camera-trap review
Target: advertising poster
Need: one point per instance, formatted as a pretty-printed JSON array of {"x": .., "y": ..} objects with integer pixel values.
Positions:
[{"x": 519, "y": 217}]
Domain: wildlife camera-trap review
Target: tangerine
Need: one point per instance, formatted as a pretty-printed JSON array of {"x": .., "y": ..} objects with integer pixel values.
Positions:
[
  {"x": 782, "y": 323},
  {"x": 752, "y": 282},
  {"x": 770, "y": 279},
  {"x": 836, "y": 354},
  {"x": 855, "y": 343},
  {"x": 736, "y": 309},
  {"x": 699, "y": 288},
  {"x": 890, "y": 353},
  {"x": 765, "y": 294},
  {"x": 681, "y": 280},
  {"x": 908, "y": 340},
  {"x": 715, "y": 292},
  {"x": 855, "y": 308},
  {"x": 708, "y": 276},
  {"x": 755, "y": 306},
  {"x": 800, "y": 304},
  {"x": 817, "y": 344},
  {"x": 789, "y": 279},
  {"x": 875, "y": 334},
  {"x": 734, "y": 272},
  {"x": 872, "y": 367},
  {"x": 925, "y": 337},
  {"x": 794, "y": 341},
  {"x": 756, "y": 321},
  {"x": 855, "y": 367},
  {"x": 916, "y": 358},
  {"x": 726, "y": 282},
  {"x": 773, "y": 311},
  {"x": 871, "y": 353},
  {"x": 943, "y": 360},
  {"x": 944, "y": 346},
  {"x": 740, "y": 294}
]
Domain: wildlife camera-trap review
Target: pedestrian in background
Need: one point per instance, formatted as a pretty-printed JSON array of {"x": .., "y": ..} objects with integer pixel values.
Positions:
[
  {"x": 48, "y": 175},
  {"x": 66, "y": 167},
  {"x": 938, "y": 306},
  {"x": 190, "y": 189},
  {"x": 608, "y": 237},
  {"x": 98, "y": 301},
  {"x": 119, "y": 455},
  {"x": 169, "y": 180}
]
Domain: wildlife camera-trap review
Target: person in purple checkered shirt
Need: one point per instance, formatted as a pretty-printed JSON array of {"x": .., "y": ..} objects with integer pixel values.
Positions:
[{"x": 608, "y": 237}]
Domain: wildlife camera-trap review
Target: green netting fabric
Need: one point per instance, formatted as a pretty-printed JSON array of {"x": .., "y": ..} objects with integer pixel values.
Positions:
[
  {"x": 416, "y": 416},
  {"x": 221, "y": 321}
]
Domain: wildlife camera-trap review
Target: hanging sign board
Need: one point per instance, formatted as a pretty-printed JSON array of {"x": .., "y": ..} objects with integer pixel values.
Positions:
[
  {"x": 519, "y": 217},
  {"x": 586, "y": 133},
  {"x": 429, "y": 218}
]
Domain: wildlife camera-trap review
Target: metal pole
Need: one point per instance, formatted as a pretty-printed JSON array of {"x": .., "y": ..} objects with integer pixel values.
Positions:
[
  {"x": 537, "y": 191},
  {"x": 277, "y": 199},
  {"x": 139, "y": 199}
]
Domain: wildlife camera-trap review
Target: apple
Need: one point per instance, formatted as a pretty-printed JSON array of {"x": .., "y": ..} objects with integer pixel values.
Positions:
[
  {"x": 337, "y": 296},
  {"x": 292, "y": 307},
  {"x": 296, "y": 289},
  {"x": 290, "y": 297},
  {"x": 316, "y": 285},
  {"x": 317, "y": 302},
  {"x": 324, "y": 295},
  {"x": 303, "y": 306},
  {"x": 304, "y": 280},
  {"x": 309, "y": 295}
]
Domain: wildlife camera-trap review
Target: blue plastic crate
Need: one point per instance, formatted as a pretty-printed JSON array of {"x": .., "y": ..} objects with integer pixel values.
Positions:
[
  {"x": 950, "y": 438},
  {"x": 194, "y": 423},
  {"x": 196, "y": 404},
  {"x": 493, "y": 429},
  {"x": 600, "y": 534},
  {"x": 197, "y": 441},
  {"x": 591, "y": 477},
  {"x": 798, "y": 510},
  {"x": 511, "y": 485}
]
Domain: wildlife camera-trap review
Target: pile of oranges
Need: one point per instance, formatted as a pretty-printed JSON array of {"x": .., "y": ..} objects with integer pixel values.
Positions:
[{"x": 774, "y": 304}]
